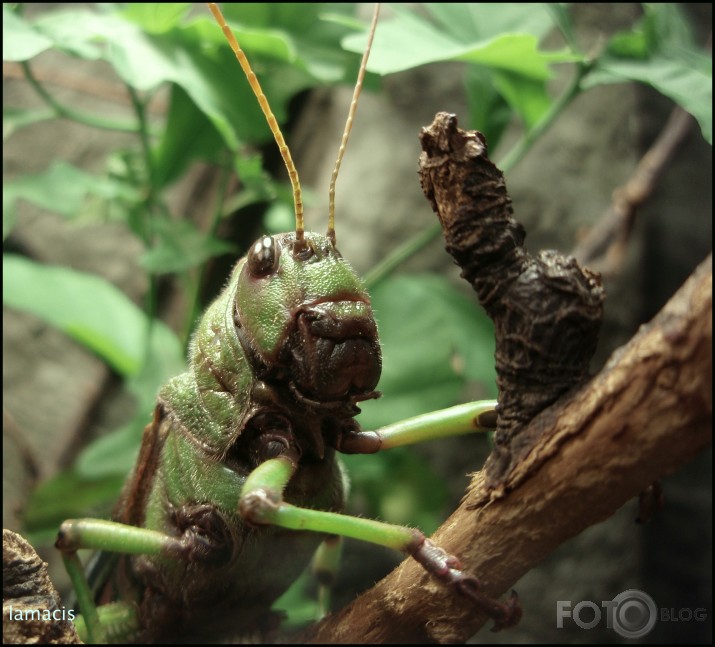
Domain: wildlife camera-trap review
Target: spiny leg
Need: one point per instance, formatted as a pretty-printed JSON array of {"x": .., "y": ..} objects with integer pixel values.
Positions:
[
  {"x": 97, "y": 534},
  {"x": 262, "y": 503}
]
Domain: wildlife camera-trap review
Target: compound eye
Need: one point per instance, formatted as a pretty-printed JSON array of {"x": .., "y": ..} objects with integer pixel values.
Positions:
[{"x": 263, "y": 257}]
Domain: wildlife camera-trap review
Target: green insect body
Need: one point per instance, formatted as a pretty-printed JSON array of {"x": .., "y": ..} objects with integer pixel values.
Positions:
[
  {"x": 281, "y": 356},
  {"x": 237, "y": 481}
]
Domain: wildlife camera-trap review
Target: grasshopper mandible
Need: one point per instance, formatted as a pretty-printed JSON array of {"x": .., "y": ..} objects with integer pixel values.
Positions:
[{"x": 237, "y": 483}]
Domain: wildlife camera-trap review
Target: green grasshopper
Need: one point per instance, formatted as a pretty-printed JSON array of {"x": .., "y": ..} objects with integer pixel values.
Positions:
[{"x": 237, "y": 483}]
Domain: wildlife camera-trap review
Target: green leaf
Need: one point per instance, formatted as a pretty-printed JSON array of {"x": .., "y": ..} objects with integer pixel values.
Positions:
[
  {"x": 253, "y": 177},
  {"x": 181, "y": 246},
  {"x": 156, "y": 17},
  {"x": 63, "y": 189},
  {"x": 517, "y": 53},
  {"x": 149, "y": 46},
  {"x": 188, "y": 135},
  {"x": 667, "y": 26},
  {"x": 20, "y": 42},
  {"x": 471, "y": 331},
  {"x": 271, "y": 43},
  {"x": 489, "y": 113},
  {"x": 687, "y": 81},
  {"x": 86, "y": 307},
  {"x": 471, "y": 22},
  {"x": 186, "y": 55},
  {"x": 279, "y": 217},
  {"x": 405, "y": 42},
  {"x": 562, "y": 19},
  {"x": 663, "y": 27},
  {"x": 275, "y": 15},
  {"x": 399, "y": 486},
  {"x": 196, "y": 59},
  {"x": 67, "y": 496},
  {"x": 632, "y": 44},
  {"x": 77, "y": 31},
  {"x": 258, "y": 186},
  {"x": 660, "y": 52},
  {"x": 115, "y": 453},
  {"x": 315, "y": 31},
  {"x": 409, "y": 41},
  {"x": 299, "y": 604},
  {"x": 527, "y": 97},
  {"x": 8, "y": 214}
]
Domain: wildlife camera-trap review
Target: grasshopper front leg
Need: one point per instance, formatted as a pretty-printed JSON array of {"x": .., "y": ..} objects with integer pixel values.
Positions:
[
  {"x": 455, "y": 421},
  {"x": 98, "y": 534},
  {"x": 262, "y": 502}
]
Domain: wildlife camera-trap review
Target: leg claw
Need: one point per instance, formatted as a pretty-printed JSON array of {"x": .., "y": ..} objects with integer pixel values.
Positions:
[
  {"x": 505, "y": 614},
  {"x": 446, "y": 568}
]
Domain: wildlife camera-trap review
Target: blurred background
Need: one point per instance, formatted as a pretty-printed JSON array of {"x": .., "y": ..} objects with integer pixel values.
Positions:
[{"x": 138, "y": 168}]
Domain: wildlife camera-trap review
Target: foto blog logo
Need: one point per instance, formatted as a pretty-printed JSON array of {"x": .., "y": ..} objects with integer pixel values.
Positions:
[{"x": 631, "y": 614}]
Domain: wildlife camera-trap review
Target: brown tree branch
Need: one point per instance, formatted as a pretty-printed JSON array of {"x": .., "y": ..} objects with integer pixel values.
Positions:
[
  {"x": 603, "y": 248},
  {"x": 647, "y": 413},
  {"x": 31, "y": 608}
]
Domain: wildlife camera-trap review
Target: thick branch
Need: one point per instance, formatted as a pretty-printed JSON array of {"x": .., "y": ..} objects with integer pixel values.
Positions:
[
  {"x": 546, "y": 310},
  {"x": 647, "y": 413},
  {"x": 31, "y": 611}
]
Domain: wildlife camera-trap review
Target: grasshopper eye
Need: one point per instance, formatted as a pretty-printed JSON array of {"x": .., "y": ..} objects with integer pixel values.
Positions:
[{"x": 263, "y": 257}]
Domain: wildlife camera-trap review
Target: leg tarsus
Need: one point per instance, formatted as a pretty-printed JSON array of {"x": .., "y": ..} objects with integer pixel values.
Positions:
[
  {"x": 447, "y": 569},
  {"x": 505, "y": 614}
]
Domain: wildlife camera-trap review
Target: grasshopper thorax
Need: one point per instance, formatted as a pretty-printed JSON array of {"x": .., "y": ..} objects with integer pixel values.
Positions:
[{"x": 305, "y": 321}]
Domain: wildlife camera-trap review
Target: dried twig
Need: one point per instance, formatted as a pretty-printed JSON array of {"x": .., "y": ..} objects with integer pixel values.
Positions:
[
  {"x": 546, "y": 310},
  {"x": 603, "y": 248}
]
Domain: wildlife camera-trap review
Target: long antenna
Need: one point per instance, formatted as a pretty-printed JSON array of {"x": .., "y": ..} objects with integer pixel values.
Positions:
[
  {"x": 272, "y": 123},
  {"x": 349, "y": 125}
]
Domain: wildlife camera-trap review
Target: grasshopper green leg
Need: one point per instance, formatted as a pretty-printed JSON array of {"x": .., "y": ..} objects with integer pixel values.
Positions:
[
  {"x": 468, "y": 418},
  {"x": 324, "y": 568},
  {"x": 76, "y": 534},
  {"x": 118, "y": 622},
  {"x": 326, "y": 560},
  {"x": 262, "y": 502}
]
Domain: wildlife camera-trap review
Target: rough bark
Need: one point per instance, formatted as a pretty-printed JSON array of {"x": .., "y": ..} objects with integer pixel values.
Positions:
[
  {"x": 546, "y": 310},
  {"x": 27, "y": 593}
]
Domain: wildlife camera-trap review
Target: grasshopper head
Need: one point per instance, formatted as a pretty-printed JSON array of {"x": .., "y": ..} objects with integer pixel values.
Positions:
[
  {"x": 301, "y": 313},
  {"x": 305, "y": 318}
]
